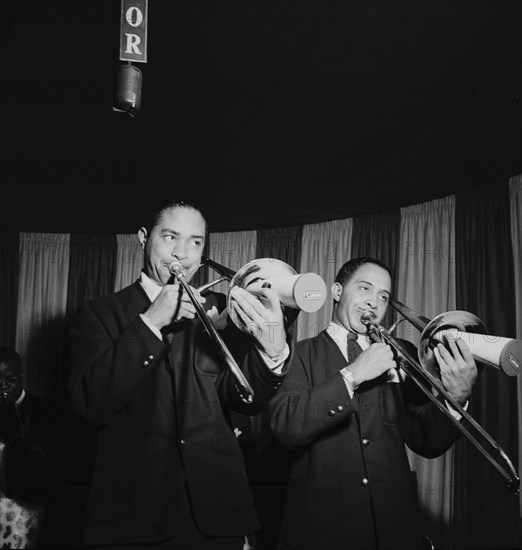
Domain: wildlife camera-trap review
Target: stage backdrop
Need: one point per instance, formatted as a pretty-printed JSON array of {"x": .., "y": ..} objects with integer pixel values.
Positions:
[{"x": 459, "y": 252}]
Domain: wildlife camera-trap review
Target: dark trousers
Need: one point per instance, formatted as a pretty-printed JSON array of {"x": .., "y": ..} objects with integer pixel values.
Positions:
[
  {"x": 199, "y": 542},
  {"x": 187, "y": 537}
]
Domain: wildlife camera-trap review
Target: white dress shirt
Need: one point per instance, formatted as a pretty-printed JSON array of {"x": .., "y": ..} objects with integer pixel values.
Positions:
[{"x": 340, "y": 336}]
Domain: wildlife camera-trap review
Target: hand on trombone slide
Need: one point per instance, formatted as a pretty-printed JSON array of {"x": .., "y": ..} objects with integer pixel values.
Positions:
[
  {"x": 262, "y": 316},
  {"x": 457, "y": 367},
  {"x": 372, "y": 362},
  {"x": 172, "y": 304}
]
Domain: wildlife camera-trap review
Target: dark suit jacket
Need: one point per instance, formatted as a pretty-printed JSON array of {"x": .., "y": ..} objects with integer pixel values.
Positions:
[
  {"x": 351, "y": 484},
  {"x": 165, "y": 440}
]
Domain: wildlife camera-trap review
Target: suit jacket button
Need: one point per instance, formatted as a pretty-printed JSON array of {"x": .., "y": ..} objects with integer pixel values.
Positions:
[
  {"x": 151, "y": 357},
  {"x": 364, "y": 482},
  {"x": 340, "y": 408},
  {"x": 366, "y": 442},
  {"x": 182, "y": 442},
  {"x": 146, "y": 363},
  {"x": 331, "y": 413}
]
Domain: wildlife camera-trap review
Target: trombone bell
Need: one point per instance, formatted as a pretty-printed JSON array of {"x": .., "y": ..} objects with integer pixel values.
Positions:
[
  {"x": 502, "y": 353},
  {"x": 426, "y": 374},
  {"x": 304, "y": 292}
]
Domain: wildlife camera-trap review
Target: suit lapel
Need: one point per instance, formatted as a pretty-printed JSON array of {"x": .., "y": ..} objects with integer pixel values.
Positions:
[{"x": 334, "y": 360}]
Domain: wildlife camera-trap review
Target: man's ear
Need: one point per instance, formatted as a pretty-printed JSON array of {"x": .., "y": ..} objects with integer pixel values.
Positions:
[
  {"x": 337, "y": 290},
  {"x": 142, "y": 236}
]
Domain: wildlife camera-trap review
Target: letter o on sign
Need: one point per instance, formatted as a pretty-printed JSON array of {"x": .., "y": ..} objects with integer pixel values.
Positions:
[{"x": 134, "y": 13}]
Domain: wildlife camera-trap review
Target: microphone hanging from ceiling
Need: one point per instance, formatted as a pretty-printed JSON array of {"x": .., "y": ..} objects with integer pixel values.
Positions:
[{"x": 133, "y": 49}]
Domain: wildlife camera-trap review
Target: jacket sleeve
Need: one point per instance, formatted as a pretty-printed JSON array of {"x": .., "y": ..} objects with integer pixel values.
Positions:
[
  {"x": 427, "y": 430},
  {"x": 109, "y": 361},
  {"x": 264, "y": 382},
  {"x": 302, "y": 412}
]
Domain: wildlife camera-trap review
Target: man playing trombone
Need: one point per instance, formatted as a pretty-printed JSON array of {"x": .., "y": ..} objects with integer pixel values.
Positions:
[
  {"x": 169, "y": 472},
  {"x": 346, "y": 411}
]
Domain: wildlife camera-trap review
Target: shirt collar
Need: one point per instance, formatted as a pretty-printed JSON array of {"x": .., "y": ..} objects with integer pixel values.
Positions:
[
  {"x": 339, "y": 334},
  {"x": 150, "y": 286},
  {"x": 21, "y": 398}
]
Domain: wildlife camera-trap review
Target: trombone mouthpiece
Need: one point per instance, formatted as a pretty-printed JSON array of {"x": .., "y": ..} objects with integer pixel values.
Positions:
[
  {"x": 176, "y": 269},
  {"x": 367, "y": 317}
]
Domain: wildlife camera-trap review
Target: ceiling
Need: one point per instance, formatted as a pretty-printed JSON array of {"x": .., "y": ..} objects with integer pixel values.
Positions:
[{"x": 267, "y": 113}]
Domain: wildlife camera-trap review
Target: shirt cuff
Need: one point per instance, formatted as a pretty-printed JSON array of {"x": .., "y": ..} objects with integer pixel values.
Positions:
[
  {"x": 349, "y": 380},
  {"x": 154, "y": 329},
  {"x": 276, "y": 365},
  {"x": 454, "y": 413}
]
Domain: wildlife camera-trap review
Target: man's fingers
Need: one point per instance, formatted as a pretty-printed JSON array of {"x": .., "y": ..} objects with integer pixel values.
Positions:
[
  {"x": 251, "y": 326},
  {"x": 248, "y": 304},
  {"x": 453, "y": 349},
  {"x": 438, "y": 354},
  {"x": 465, "y": 351},
  {"x": 272, "y": 297}
]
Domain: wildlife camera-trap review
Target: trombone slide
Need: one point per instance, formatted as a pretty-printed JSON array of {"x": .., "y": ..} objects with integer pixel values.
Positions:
[
  {"x": 246, "y": 391},
  {"x": 426, "y": 375}
]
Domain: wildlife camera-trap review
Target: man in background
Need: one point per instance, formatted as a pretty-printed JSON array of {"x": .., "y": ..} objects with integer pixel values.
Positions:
[{"x": 38, "y": 464}]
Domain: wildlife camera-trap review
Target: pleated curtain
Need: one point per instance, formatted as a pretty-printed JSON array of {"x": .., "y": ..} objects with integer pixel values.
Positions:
[
  {"x": 283, "y": 244},
  {"x": 485, "y": 511},
  {"x": 129, "y": 260},
  {"x": 231, "y": 249},
  {"x": 458, "y": 252},
  {"x": 41, "y": 309},
  {"x": 515, "y": 200},
  {"x": 377, "y": 236},
  {"x": 8, "y": 288},
  {"x": 325, "y": 248},
  {"x": 426, "y": 283}
]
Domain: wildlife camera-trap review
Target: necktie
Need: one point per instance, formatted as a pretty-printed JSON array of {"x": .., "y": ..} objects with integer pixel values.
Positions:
[{"x": 353, "y": 348}]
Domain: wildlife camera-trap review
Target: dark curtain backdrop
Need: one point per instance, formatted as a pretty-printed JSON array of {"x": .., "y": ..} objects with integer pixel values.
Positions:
[
  {"x": 486, "y": 512},
  {"x": 9, "y": 262},
  {"x": 204, "y": 274},
  {"x": 92, "y": 272},
  {"x": 377, "y": 236},
  {"x": 92, "y": 269},
  {"x": 271, "y": 464},
  {"x": 283, "y": 244}
]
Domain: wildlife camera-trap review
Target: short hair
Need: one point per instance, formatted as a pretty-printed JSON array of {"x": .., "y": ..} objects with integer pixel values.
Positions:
[
  {"x": 155, "y": 217},
  {"x": 10, "y": 357},
  {"x": 349, "y": 269}
]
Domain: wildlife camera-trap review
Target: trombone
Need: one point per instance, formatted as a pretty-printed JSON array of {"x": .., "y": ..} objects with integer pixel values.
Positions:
[
  {"x": 245, "y": 389},
  {"x": 506, "y": 354},
  {"x": 306, "y": 292}
]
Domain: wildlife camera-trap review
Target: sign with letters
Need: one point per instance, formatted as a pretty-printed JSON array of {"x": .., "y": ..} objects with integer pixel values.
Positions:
[{"x": 133, "y": 30}]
